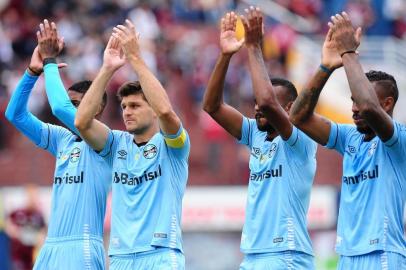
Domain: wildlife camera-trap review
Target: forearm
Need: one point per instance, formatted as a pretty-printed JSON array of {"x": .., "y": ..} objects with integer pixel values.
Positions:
[
  {"x": 213, "y": 96},
  {"x": 92, "y": 100},
  {"x": 264, "y": 95},
  {"x": 361, "y": 89},
  {"x": 17, "y": 112},
  {"x": 152, "y": 88},
  {"x": 58, "y": 98},
  {"x": 306, "y": 102}
]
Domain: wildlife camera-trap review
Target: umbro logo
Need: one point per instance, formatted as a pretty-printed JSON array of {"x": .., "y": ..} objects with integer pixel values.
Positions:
[{"x": 122, "y": 154}]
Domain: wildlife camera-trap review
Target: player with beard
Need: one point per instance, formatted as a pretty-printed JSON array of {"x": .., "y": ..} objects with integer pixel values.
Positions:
[
  {"x": 282, "y": 161},
  {"x": 149, "y": 161},
  {"x": 370, "y": 232}
]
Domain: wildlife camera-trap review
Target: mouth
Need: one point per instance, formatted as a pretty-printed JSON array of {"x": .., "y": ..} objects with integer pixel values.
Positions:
[
  {"x": 259, "y": 116},
  {"x": 357, "y": 119}
]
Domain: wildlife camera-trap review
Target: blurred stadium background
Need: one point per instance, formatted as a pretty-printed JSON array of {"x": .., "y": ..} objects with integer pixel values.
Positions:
[{"x": 180, "y": 44}]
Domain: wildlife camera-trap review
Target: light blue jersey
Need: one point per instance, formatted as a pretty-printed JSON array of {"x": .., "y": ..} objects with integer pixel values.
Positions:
[
  {"x": 148, "y": 186},
  {"x": 372, "y": 191},
  {"x": 80, "y": 187},
  {"x": 281, "y": 177}
]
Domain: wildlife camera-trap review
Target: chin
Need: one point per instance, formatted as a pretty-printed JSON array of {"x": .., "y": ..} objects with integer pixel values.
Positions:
[{"x": 364, "y": 129}]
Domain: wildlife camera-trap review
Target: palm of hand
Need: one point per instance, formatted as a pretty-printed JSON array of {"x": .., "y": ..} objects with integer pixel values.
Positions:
[
  {"x": 228, "y": 42},
  {"x": 331, "y": 56},
  {"x": 113, "y": 58}
]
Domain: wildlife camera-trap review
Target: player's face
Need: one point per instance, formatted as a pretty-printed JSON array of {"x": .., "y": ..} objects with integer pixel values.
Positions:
[
  {"x": 361, "y": 123},
  {"x": 262, "y": 123},
  {"x": 138, "y": 115},
  {"x": 75, "y": 97}
]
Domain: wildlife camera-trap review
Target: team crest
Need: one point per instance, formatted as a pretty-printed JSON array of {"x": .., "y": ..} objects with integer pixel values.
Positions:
[
  {"x": 150, "y": 151},
  {"x": 372, "y": 148},
  {"x": 75, "y": 155},
  {"x": 272, "y": 151}
]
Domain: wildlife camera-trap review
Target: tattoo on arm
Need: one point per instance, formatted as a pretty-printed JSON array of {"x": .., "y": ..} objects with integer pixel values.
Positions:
[{"x": 306, "y": 102}]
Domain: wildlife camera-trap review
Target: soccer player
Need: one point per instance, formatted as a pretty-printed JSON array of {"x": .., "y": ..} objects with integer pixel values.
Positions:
[
  {"x": 282, "y": 161},
  {"x": 81, "y": 180},
  {"x": 370, "y": 232},
  {"x": 149, "y": 161}
]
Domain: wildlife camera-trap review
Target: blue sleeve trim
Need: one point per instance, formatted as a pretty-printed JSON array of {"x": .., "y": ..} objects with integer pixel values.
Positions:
[
  {"x": 395, "y": 137},
  {"x": 333, "y": 137},
  {"x": 294, "y": 137},
  {"x": 109, "y": 144},
  {"x": 173, "y": 136}
]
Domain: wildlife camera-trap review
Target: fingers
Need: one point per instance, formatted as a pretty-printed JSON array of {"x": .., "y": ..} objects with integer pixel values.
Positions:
[
  {"x": 245, "y": 23},
  {"x": 62, "y": 65},
  {"x": 329, "y": 35},
  {"x": 358, "y": 35}
]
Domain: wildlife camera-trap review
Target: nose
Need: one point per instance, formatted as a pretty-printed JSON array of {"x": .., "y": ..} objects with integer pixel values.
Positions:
[
  {"x": 256, "y": 108},
  {"x": 354, "y": 108}
]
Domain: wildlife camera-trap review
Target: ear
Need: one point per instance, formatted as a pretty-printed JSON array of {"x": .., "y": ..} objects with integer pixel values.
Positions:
[
  {"x": 288, "y": 106},
  {"x": 387, "y": 104}
]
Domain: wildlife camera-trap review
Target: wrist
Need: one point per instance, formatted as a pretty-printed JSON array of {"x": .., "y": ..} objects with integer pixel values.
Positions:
[
  {"x": 49, "y": 60},
  {"x": 254, "y": 46},
  {"x": 34, "y": 71},
  {"x": 326, "y": 68},
  {"x": 348, "y": 52},
  {"x": 107, "y": 70}
]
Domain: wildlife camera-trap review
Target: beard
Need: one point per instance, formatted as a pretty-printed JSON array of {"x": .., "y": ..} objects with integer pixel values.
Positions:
[{"x": 263, "y": 124}]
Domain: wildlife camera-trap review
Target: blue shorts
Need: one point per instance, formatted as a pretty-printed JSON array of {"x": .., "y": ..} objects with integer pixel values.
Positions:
[
  {"x": 159, "y": 259},
  {"x": 284, "y": 260},
  {"x": 378, "y": 260},
  {"x": 71, "y": 253}
]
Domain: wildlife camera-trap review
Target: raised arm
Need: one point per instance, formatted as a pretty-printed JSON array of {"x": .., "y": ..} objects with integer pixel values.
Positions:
[
  {"x": 263, "y": 91},
  {"x": 302, "y": 112},
  {"x": 228, "y": 117},
  {"x": 153, "y": 90},
  {"x": 50, "y": 45},
  {"x": 362, "y": 90},
  {"x": 94, "y": 132},
  {"x": 17, "y": 112}
]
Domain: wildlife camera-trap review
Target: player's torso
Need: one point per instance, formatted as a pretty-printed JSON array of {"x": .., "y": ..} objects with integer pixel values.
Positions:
[
  {"x": 276, "y": 206},
  {"x": 143, "y": 195},
  {"x": 371, "y": 204},
  {"x": 80, "y": 186}
]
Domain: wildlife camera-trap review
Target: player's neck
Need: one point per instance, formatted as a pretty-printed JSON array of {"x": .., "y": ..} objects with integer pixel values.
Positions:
[
  {"x": 147, "y": 135},
  {"x": 272, "y": 135},
  {"x": 369, "y": 136}
]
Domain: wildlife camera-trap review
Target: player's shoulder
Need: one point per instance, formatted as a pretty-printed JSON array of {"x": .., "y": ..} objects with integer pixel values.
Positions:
[{"x": 400, "y": 127}]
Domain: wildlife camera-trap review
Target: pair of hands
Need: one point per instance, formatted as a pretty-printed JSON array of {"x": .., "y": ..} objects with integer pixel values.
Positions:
[
  {"x": 123, "y": 44},
  {"x": 253, "y": 28},
  {"x": 341, "y": 37},
  {"x": 49, "y": 46}
]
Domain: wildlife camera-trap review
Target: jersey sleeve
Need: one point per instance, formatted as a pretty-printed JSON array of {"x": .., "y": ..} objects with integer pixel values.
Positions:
[
  {"x": 338, "y": 136},
  {"x": 397, "y": 144},
  {"x": 178, "y": 144},
  {"x": 52, "y": 137},
  {"x": 110, "y": 148},
  {"x": 301, "y": 146},
  {"x": 18, "y": 114},
  {"x": 247, "y": 130},
  {"x": 58, "y": 98}
]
